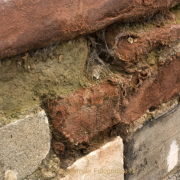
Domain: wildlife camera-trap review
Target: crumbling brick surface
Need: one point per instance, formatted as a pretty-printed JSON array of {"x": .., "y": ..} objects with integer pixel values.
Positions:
[
  {"x": 86, "y": 112},
  {"x": 132, "y": 46},
  {"x": 95, "y": 87},
  {"x": 152, "y": 93},
  {"x": 135, "y": 87},
  {"x": 27, "y": 25}
]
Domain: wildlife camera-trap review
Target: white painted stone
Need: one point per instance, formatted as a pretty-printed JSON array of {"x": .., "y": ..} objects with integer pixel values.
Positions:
[
  {"x": 102, "y": 164},
  {"x": 10, "y": 175},
  {"x": 24, "y": 144},
  {"x": 172, "y": 158}
]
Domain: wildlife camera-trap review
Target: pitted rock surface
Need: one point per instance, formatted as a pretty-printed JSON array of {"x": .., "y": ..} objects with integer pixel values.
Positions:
[{"x": 24, "y": 144}]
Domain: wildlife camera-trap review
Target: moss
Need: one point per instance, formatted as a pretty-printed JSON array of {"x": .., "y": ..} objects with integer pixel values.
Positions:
[
  {"x": 149, "y": 116},
  {"x": 48, "y": 169},
  {"x": 28, "y": 79},
  {"x": 153, "y": 21},
  {"x": 152, "y": 58},
  {"x": 57, "y": 70}
]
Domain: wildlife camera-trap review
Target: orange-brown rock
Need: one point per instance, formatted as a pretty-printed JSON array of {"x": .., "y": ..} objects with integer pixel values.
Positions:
[
  {"x": 153, "y": 92},
  {"x": 131, "y": 47},
  {"x": 30, "y": 24},
  {"x": 85, "y": 113}
]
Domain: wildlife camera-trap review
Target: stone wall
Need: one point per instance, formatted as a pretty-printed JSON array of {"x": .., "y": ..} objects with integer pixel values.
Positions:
[{"x": 103, "y": 105}]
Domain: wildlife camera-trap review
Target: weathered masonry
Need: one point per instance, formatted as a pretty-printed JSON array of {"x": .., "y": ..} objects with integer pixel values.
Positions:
[{"x": 89, "y": 90}]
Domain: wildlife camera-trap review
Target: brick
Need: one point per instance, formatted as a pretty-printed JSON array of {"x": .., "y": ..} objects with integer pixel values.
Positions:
[
  {"x": 78, "y": 118},
  {"x": 138, "y": 86},
  {"x": 27, "y": 25},
  {"x": 82, "y": 115},
  {"x": 143, "y": 42},
  {"x": 152, "y": 92}
]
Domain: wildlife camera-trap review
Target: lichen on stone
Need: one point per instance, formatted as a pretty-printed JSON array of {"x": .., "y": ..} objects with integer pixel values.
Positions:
[
  {"x": 26, "y": 80},
  {"x": 48, "y": 169}
]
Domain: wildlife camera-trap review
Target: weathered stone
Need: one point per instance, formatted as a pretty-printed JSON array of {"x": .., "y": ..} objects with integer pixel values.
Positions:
[
  {"x": 10, "y": 175},
  {"x": 24, "y": 144},
  {"x": 79, "y": 117},
  {"x": 48, "y": 169},
  {"x": 147, "y": 41},
  {"x": 154, "y": 148},
  {"x": 104, "y": 163},
  {"x": 149, "y": 94},
  {"x": 27, "y": 80},
  {"x": 107, "y": 105},
  {"x": 175, "y": 173},
  {"x": 149, "y": 37},
  {"x": 32, "y": 24},
  {"x": 127, "y": 130},
  {"x": 159, "y": 87},
  {"x": 148, "y": 69},
  {"x": 150, "y": 66}
]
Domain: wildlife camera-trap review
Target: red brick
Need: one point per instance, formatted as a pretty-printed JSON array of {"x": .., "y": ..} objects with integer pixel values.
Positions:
[
  {"x": 85, "y": 112},
  {"x": 79, "y": 117},
  {"x": 30, "y": 24},
  {"x": 153, "y": 92},
  {"x": 126, "y": 54}
]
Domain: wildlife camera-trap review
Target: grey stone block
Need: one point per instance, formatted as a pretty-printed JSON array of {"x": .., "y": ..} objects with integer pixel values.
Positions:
[
  {"x": 24, "y": 144},
  {"x": 153, "y": 150}
]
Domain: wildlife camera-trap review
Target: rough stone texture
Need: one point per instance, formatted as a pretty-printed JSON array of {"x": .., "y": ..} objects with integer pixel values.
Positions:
[
  {"x": 32, "y": 24},
  {"x": 79, "y": 117},
  {"x": 10, "y": 175},
  {"x": 107, "y": 106},
  {"x": 127, "y": 130},
  {"x": 148, "y": 67},
  {"x": 129, "y": 44},
  {"x": 104, "y": 163},
  {"x": 131, "y": 53},
  {"x": 48, "y": 169},
  {"x": 28, "y": 79},
  {"x": 24, "y": 144},
  {"x": 154, "y": 148},
  {"x": 129, "y": 93},
  {"x": 145, "y": 73},
  {"x": 152, "y": 92},
  {"x": 175, "y": 176}
]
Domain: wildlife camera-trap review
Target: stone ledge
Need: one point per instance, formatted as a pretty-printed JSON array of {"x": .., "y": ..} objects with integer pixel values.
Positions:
[{"x": 104, "y": 163}]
